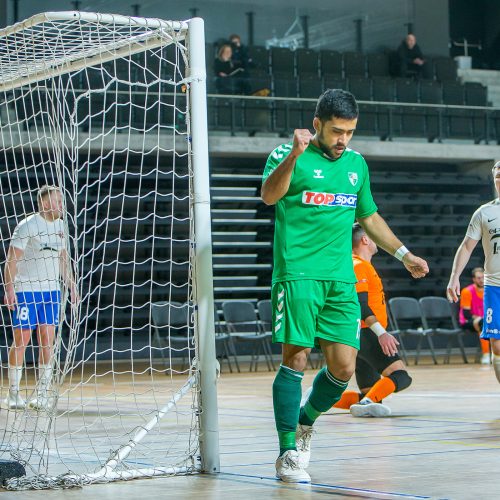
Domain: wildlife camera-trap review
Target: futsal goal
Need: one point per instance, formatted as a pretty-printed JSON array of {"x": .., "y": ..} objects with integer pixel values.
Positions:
[{"x": 112, "y": 110}]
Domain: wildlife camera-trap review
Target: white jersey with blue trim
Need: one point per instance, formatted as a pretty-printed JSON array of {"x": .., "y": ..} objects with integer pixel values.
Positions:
[
  {"x": 42, "y": 242},
  {"x": 485, "y": 226}
]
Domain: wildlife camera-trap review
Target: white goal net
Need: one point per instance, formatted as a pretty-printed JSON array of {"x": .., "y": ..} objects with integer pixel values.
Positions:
[{"x": 103, "y": 108}]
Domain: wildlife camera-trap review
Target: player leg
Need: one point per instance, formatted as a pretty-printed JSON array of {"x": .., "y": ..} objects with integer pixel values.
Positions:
[
  {"x": 394, "y": 377},
  {"x": 491, "y": 324},
  {"x": 338, "y": 336},
  {"x": 48, "y": 317},
  {"x": 294, "y": 311},
  {"x": 23, "y": 321},
  {"x": 366, "y": 377},
  {"x": 485, "y": 345}
]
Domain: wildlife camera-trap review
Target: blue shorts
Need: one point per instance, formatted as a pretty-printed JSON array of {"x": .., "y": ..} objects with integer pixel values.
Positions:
[
  {"x": 36, "y": 308},
  {"x": 491, "y": 323}
]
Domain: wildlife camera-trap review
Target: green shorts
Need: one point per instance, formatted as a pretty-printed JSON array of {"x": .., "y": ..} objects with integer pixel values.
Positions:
[{"x": 305, "y": 311}]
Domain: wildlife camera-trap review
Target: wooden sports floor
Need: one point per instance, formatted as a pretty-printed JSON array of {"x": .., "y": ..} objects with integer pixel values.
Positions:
[{"x": 442, "y": 442}]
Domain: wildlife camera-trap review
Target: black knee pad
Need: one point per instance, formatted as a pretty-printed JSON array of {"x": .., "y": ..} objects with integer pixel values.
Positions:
[{"x": 401, "y": 379}]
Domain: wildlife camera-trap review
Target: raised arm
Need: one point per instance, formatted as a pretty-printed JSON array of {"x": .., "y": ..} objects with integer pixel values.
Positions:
[
  {"x": 459, "y": 262},
  {"x": 378, "y": 230},
  {"x": 277, "y": 184},
  {"x": 13, "y": 255}
]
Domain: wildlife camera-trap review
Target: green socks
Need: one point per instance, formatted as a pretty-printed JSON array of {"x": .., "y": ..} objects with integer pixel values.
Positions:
[
  {"x": 326, "y": 391},
  {"x": 287, "y": 392}
]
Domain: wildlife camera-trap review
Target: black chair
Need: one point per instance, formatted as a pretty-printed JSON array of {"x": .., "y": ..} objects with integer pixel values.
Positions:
[
  {"x": 282, "y": 61},
  {"x": 407, "y": 317},
  {"x": 307, "y": 62},
  {"x": 361, "y": 88},
  {"x": 445, "y": 69},
  {"x": 378, "y": 64},
  {"x": 457, "y": 121},
  {"x": 331, "y": 63},
  {"x": 438, "y": 316},
  {"x": 310, "y": 86},
  {"x": 431, "y": 92},
  {"x": 396, "y": 333},
  {"x": 243, "y": 325},
  {"x": 383, "y": 90},
  {"x": 172, "y": 330},
  {"x": 354, "y": 64},
  {"x": 259, "y": 57},
  {"x": 411, "y": 118},
  {"x": 223, "y": 338},
  {"x": 476, "y": 94},
  {"x": 334, "y": 82}
]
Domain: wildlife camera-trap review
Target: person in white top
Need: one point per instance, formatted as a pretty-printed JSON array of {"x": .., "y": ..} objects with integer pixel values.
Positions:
[
  {"x": 36, "y": 261},
  {"x": 484, "y": 226}
]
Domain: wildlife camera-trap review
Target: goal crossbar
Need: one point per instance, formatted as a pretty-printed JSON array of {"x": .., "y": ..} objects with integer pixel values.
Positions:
[{"x": 35, "y": 62}]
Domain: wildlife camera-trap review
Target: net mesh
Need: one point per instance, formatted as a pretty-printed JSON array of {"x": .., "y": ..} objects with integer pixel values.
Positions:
[{"x": 97, "y": 105}]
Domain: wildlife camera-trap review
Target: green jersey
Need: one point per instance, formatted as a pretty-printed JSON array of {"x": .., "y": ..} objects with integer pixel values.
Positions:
[{"x": 313, "y": 228}]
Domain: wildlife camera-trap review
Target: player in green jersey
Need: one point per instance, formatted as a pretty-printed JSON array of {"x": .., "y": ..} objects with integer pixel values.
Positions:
[{"x": 320, "y": 187}]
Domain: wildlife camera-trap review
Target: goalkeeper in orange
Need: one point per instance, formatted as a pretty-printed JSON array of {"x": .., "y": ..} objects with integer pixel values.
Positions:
[{"x": 379, "y": 369}]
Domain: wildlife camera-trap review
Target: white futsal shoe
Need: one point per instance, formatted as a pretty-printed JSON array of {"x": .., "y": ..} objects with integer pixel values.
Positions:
[
  {"x": 14, "y": 401},
  {"x": 289, "y": 470},
  {"x": 367, "y": 408},
  {"x": 485, "y": 359},
  {"x": 303, "y": 436},
  {"x": 42, "y": 402}
]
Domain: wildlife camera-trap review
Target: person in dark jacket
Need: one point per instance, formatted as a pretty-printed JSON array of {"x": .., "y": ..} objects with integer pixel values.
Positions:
[{"x": 411, "y": 60}]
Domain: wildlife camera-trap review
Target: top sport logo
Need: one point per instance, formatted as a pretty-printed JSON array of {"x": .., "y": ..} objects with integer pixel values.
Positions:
[{"x": 329, "y": 199}]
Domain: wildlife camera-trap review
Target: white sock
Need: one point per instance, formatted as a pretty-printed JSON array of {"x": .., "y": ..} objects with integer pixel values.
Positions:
[
  {"x": 44, "y": 377},
  {"x": 496, "y": 366},
  {"x": 15, "y": 376}
]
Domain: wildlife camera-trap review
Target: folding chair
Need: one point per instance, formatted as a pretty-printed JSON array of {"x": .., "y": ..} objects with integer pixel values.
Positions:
[
  {"x": 437, "y": 315},
  {"x": 407, "y": 318},
  {"x": 222, "y": 337},
  {"x": 242, "y": 324}
]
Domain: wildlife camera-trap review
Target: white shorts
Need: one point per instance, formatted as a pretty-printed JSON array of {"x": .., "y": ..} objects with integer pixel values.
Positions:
[{"x": 491, "y": 323}]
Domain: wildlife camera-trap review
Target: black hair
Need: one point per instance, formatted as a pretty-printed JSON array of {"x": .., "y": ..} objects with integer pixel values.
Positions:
[{"x": 336, "y": 103}]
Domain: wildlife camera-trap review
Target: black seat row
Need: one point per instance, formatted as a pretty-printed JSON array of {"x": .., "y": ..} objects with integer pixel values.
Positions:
[{"x": 332, "y": 62}]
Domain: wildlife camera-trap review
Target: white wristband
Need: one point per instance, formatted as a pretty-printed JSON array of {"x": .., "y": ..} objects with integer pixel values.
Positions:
[
  {"x": 401, "y": 252},
  {"x": 377, "y": 329}
]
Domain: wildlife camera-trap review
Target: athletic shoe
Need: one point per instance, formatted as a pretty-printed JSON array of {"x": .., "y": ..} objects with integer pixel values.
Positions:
[
  {"x": 14, "y": 401},
  {"x": 40, "y": 403},
  {"x": 367, "y": 408},
  {"x": 289, "y": 470},
  {"x": 303, "y": 438},
  {"x": 485, "y": 359}
]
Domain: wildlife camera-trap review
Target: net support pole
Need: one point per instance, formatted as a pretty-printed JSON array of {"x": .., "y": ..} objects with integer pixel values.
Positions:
[{"x": 209, "y": 426}]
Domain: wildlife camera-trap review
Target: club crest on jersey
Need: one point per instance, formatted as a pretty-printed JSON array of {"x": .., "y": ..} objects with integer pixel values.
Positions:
[
  {"x": 353, "y": 178},
  {"x": 317, "y": 174},
  {"x": 329, "y": 199}
]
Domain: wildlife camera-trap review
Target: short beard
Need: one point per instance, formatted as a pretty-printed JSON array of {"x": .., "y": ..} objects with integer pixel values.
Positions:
[{"x": 326, "y": 150}]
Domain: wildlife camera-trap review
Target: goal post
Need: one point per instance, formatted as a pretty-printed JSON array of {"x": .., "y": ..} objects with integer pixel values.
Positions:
[{"x": 112, "y": 111}]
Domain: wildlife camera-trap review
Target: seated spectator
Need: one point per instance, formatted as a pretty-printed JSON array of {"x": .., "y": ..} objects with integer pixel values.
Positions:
[
  {"x": 411, "y": 59},
  {"x": 227, "y": 75},
  {"x": 240, "y": 56},
  {"x": 472, "y": 310}
]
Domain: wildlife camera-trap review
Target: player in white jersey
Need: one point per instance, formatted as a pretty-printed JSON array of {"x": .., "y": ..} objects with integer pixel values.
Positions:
[
  {"x": 484, "y": 226},
  {"x": 36, "y": 261}
]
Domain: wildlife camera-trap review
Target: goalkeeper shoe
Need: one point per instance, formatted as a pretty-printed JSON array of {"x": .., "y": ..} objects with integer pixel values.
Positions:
[
  {"x": 367, "y": 408},
  {"x": 14, "y": 401},
  {"x": 303, "y": 438},
  {"x": 289, "y": 470}
]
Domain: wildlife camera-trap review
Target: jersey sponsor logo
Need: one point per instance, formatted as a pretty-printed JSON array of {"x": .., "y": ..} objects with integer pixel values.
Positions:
[
  {"x": 318, "y": 174},
  {"x": 329, "y": 199},
  {"x": 353, "y": 177}
]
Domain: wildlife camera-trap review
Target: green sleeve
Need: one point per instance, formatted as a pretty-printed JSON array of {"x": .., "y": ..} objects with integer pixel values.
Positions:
[
  {"x": 275, "y": 158},
  {"x": 365, "y": 206}
]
